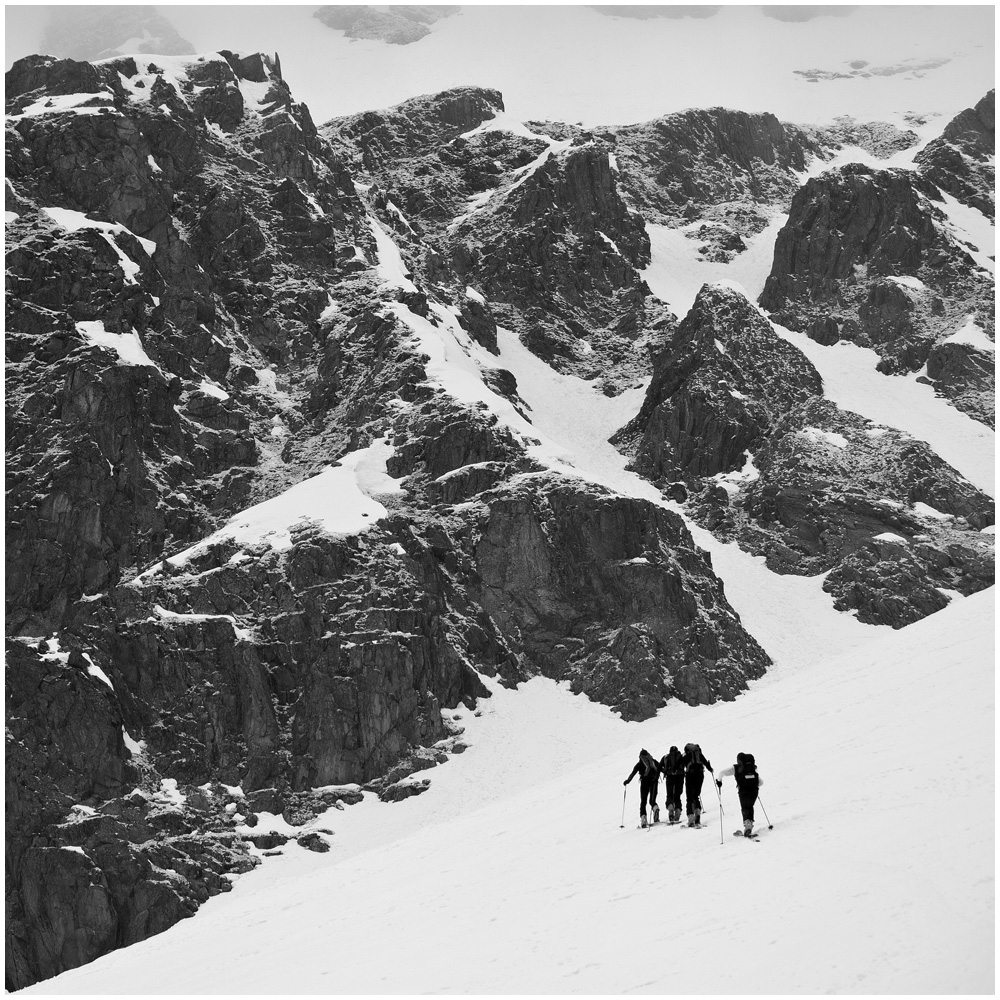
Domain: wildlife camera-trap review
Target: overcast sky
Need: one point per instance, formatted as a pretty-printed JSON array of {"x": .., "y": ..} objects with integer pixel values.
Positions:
[{"x": 574, "y": 63}]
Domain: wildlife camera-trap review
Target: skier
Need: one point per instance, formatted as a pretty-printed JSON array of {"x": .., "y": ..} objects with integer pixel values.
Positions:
[
  {"x": 649, "y": 777},
  {"x": 748, "y": 781},
  {"x": 694, "y": 775},
  {"x": 672, "y": 768}
]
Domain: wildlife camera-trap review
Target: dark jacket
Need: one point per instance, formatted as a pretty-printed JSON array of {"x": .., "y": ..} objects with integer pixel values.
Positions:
[
  {"x": 672, "y": 763},
  {"x": 641, "y": 769}
]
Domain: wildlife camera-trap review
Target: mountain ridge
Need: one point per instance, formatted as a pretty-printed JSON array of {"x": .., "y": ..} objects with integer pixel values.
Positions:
[{"x": 294, "y": 327}]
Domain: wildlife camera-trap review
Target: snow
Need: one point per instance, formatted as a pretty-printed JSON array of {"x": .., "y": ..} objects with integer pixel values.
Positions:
[
  {"x": 95, "y": 671},
  {"x": 59, "y": 103},
  {"x": 169, "y": 793},
  {"x": 75, "y": 850},
  {"x": 127, "y": 346},
  {"x": 471, "y": 293},
  {"x": 211, "y": 388},
  {"x": 908, "y": 281},
  {"x": 153, "y": 165},
  {"x": 972, "y": 229},
  {"x": 972, "y": 335},
  {"x": 241, "y": 633},
  {"x": 254, "y": 95},
  {"x": 71, "y": 221},
  {"x": 135, "y": 747},
  {"x": 851, "y": 381},
  {"x": 390, "y": 267},
  {"x": 888, "y": 536},
  {"x": 733, "y": 482},
  {"x": 926, "y": 510},
  {"x": 819, "y": 436},
  {"x": 534, "y": 890},
  {"x": 340, "y": 500},
  {"x": 676, "y": 272}
]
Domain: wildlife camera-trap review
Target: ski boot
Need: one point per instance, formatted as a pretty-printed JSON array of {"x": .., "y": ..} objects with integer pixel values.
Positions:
[
  {"x": 642, "y": 820},
  {"x": 656, "y": 814},
  {"x": 748, "y": 828},
  {"x": 691, "y": 821}
]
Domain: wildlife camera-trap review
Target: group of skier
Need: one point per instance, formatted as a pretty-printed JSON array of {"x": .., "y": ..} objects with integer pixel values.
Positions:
[{"x": 685, "y": 772}]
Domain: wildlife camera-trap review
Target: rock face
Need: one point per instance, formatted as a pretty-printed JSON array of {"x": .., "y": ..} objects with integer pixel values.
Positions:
[
  {"x": 867, "y": 256},
  {"x": 895, "y": 524},
  {"x": 529, "y": 217},
  {"x": 675, "y": 167},
  {"x": 961, "y": 160},
  {"x": 216, "y": 311},
  {"x": 718, "y": 389},
  {"x": 610, "y": 594},
  {"x": 734, "y": 426}
]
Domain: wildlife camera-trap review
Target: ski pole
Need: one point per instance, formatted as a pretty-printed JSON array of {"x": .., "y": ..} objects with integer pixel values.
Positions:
[
  {"x": 722, "y": 813},
  {"x": 624, "y": 794},
  {"x": 770, "y": 825}
]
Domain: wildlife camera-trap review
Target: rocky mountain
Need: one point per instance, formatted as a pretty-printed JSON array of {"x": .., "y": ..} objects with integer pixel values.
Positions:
[
  {"x": 871, "y": 256},
  {"x": 275, "y": 505},
  {"x": 206, "y": 311}
]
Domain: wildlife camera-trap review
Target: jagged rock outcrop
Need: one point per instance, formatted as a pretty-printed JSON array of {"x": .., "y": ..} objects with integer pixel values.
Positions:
[
  {"x": 961, "y": 160},
  {"x": 611, "y": 594},
  {"x": 893, "y": 525},
  {"x": 91, "y": 863},
  {"x": 727, "y": 164},
  {"x": 881, "y": 139},
  {"x": 531, "y": 221},
  {"x": 867, "y": 256},
  {"x": 719, "y": 387}
]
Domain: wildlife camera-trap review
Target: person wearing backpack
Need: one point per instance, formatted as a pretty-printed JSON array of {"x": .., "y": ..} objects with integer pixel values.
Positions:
[
  {"x": 748, "y": 782},
  {"x": 672, "y": 769},
  {"x": 649, "y": 777},
  {"x": 694, "y": 775}
]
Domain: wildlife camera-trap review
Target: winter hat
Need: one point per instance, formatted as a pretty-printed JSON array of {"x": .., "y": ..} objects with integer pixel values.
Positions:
[{"x": 740, "y": 757}]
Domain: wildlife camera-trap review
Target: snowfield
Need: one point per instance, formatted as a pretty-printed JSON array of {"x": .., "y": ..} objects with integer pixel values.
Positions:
[{"x": 513, "y": 875}]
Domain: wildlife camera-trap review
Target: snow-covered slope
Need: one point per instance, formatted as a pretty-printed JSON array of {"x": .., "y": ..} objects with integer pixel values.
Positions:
[{"x": 513, "y": 874}]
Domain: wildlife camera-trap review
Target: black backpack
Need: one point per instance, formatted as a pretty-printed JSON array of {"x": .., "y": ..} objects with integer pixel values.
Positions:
[
  {"x": 745, "y": 772},
  {"x": 673, "y": 763},
  {"x": 649, "y": 766}
]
